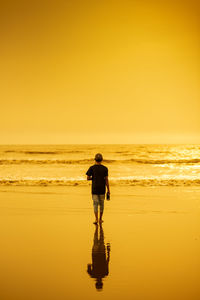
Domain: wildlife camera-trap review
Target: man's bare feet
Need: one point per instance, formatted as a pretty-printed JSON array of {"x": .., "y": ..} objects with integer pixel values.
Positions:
[
  {"x": 100, "y": 221},
  {"x": 95, "y": 222}
]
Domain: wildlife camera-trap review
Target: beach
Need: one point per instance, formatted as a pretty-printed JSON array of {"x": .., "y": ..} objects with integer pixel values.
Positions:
[
  {"x": 47, "y": 239},
  {"x": 112, "y": 83}
]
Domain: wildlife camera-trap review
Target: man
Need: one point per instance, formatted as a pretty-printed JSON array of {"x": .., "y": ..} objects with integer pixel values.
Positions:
[{"x": 98, "y": 173}]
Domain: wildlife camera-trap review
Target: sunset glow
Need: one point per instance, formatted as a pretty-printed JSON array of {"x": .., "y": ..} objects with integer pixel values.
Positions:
[{"x": 100, "y": 72}]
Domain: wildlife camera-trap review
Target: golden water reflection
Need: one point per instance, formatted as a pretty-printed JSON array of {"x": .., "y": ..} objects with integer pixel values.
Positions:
[{"x": 99, "y": 268}]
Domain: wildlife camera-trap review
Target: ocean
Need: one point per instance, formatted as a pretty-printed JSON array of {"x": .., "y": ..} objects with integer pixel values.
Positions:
[{"x": 136, "y": 165}]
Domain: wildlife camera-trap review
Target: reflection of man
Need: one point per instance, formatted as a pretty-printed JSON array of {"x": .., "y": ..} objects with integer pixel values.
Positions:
[{"x": 99, "y": 267}]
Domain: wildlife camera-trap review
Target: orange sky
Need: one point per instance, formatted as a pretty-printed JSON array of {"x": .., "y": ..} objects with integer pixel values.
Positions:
[{"x": 99, "y": 71}]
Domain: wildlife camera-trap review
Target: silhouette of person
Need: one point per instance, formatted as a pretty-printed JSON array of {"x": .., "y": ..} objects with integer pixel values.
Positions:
[{"x": 100, "y": 259}]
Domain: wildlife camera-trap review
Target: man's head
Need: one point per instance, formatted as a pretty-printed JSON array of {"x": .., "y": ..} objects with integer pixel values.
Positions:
[{"x": 98, "y": 157}]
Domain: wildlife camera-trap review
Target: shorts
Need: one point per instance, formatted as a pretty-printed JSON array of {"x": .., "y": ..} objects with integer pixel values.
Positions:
[{"x": 98, "y": 200}]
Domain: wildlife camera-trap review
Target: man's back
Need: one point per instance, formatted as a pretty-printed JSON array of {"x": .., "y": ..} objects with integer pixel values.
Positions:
[{"x": 98, "y": 173}]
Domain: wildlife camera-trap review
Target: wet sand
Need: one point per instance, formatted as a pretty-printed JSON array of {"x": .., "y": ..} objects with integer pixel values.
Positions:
[{"x": 148, "y": 249}]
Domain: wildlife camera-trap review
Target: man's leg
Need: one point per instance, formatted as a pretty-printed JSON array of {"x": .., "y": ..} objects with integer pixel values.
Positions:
[
  {"x": 95, "y": 205},
  {"x": 101, "y": 201},
  {"x": 100, "y": 218},
  {"x": 96, "y": 216}
]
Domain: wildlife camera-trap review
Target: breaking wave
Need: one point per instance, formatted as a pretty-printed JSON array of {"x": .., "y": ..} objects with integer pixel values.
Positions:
[
  {"x": 91, "y": 161},
  {"x": 43, "y": 152},
  {"x": 47, "y": 161},
  {"x": 166, "y": 161},
  {"x": 82, "y": 182}
]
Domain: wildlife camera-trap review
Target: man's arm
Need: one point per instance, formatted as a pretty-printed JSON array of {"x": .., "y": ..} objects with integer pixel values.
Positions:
[
  {"x": 89, "y": 173},
  {"x": 107, "y": 184}
]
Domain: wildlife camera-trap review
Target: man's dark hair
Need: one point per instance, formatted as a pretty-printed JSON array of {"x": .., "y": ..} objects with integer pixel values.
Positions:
[{"x": 98, "y": 157}]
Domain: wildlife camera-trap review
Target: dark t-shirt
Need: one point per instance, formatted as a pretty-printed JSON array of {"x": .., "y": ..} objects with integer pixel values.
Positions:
[{"x": 98, "y": 173}]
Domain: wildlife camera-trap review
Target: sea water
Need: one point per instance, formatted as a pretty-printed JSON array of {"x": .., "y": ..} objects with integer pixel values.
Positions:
[{"x": 142, "y": 165}]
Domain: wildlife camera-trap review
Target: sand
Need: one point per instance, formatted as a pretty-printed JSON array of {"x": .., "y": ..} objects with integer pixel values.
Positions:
[{"x": 47, "y": 240}]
